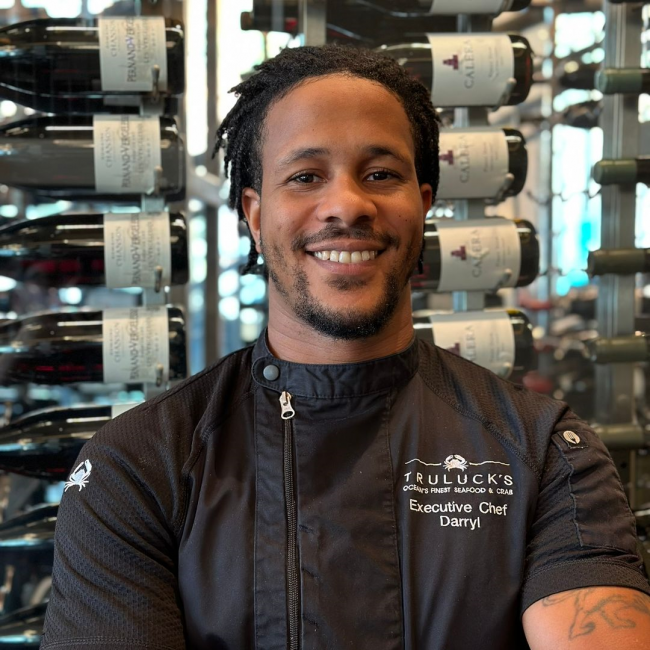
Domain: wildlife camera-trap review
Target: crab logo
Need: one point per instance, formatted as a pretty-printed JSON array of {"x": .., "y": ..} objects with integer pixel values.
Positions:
[
  {"x": 80, "y": 476},
  {"x": 455, "y": 462}
]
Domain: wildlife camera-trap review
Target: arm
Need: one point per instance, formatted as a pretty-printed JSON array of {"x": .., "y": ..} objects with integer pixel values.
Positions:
[
  {"x": 594, "y": 618},
  {"x": 114, "y": 582}
]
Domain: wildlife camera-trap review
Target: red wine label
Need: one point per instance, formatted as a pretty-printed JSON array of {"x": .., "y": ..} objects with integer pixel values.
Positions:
[
  {"x": 135, "y": 344},
  {"x": 478, "y": 256},
  {"x": 126, "y": 152},
  {"x": 134, "y": 246},
  {"x": 473, "y": 163},
  {"x": 486, "y": 338},
  {"x": 129, "y": 48},
  {"x": 118, "y": 409},
  {"x": 470, "y": 69},
  {"x": 453, "y": 7}
]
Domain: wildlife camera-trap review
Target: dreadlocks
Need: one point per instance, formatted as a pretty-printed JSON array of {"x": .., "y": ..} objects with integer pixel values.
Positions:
[{"x": 241, "y": 132}]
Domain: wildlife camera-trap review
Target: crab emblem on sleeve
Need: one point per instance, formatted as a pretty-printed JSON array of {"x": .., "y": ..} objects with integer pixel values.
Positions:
[
  {"x": 80, "y": 476},
  {"x": 455, "y": 462}
]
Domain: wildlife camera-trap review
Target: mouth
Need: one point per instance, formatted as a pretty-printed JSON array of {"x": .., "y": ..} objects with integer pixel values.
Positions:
[{"x": 346, "y": 256}]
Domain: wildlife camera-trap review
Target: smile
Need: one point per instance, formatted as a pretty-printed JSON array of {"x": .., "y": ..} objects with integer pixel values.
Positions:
[{"x": 346, "y": 257}]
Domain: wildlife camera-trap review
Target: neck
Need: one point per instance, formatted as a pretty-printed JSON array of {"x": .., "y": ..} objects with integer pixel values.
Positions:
[{"x": 293, "y": 340}]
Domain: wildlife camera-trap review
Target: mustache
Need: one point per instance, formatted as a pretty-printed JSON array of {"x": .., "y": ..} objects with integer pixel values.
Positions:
[{"x": 333, "y": 232}]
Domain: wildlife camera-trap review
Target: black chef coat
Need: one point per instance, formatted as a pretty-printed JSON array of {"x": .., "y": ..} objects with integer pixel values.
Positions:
[{"x": 415, "y": 501}]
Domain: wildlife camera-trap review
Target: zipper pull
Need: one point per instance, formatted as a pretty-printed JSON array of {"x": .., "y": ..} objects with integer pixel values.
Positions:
[{"x": 287, "y": 409}]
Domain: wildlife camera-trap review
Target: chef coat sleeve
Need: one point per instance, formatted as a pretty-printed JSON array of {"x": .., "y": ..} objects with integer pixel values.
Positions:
[
  {"x": 114, "y": 583},
  {"x": 583, "y": 531}
]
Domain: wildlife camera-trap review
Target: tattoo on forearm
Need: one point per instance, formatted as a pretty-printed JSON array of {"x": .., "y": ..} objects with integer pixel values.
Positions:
[{"x": 617, "y": 611}]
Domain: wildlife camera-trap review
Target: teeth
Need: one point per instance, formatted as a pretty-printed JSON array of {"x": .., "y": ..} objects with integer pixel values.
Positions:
[{"x": 346, "y": 257}]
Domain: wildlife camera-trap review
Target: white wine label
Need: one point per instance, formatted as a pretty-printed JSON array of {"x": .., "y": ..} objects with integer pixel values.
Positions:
[
  {"x": 129, "y": 48},
  {"x": 453, "y": 7},
  {"x": 118, "y": 409},
  {"x": 478, "y": 257},
  {"x": 473, "y": 163},
  {"x": 470, "y": 69},
  {"x": 486, "y": 338},
  {"x": 134, "y": 245},
  {"x": 135, "y": 340},
  {"x": 126, "y": 152}
]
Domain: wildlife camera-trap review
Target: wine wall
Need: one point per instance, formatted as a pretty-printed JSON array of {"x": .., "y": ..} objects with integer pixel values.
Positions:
[{"x": 96, "y": 159}]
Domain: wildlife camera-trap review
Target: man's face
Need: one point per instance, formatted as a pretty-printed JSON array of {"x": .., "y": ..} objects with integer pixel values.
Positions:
[{"x": 339, "y": 181}]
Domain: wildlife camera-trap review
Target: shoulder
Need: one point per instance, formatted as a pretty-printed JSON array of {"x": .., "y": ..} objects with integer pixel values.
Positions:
[{"x": 522, "y": 417}]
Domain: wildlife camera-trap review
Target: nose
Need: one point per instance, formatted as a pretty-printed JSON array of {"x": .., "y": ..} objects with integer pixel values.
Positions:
[{"x": 346, "y": 202}]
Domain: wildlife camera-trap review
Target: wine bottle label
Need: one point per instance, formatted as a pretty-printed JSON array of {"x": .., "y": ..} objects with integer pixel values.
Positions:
[
  {"x": 126, "y": 152},
  {"x": 470, "y": 69},
  {"x": 486, "y": 338},
  {"x": 473, "y": 163},
  {"x": 118, "y": 409},
  {"x": 478, "y": 257},
  {"x": 134, "y": 246},
  {"x": 135, "y": 344},
  {"x": 453, "y": 7},
  {"x": 129, "y": 48}
]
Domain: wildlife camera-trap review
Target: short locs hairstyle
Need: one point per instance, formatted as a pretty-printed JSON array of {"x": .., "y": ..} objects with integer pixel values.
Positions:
[{"x": 241, "y": 132}]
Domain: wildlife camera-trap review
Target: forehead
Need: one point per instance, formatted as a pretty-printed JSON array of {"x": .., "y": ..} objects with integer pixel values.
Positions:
[{"x": 339, "y": 113}]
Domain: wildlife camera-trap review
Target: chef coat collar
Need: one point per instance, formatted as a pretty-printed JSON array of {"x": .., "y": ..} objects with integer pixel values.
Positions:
[{"x": 333, "y": 380}]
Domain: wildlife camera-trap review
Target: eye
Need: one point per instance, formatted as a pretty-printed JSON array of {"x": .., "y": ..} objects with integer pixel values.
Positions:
[
  {"x": 381, "y": 175},
  {"x": 303, "y": 178}
]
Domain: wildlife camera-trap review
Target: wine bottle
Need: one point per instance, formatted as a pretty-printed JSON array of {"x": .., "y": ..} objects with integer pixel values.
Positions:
[
  {"x": 478, "y": 255},
  {"x": 348, "y": 23},
  {"x": 92, "y": 158},
  {"x": 69, "y": 65},
  {"x": 44, "y": 444},
  {"x": 131, "y": 345},
  {"x": 448, "y": 7},
  {"x": 22, "y": 628},
  {"x": 620, "y": 261},
  {"x": 471, "y": 69},
  {"x": 422, "y": 7},
  {"x": 475, "y": 162},
  {"x": 620, "y": 349},
  {"x": 116, "y": 250},
  {"x": 581, "y": 76},
  {"x": 624, "y": 171},
  {"x": 584, "y": 115},
  {"x": 32, "y": 532},
  {"x": 499, "y": 340},
  {"x": 630, "y": 81}
]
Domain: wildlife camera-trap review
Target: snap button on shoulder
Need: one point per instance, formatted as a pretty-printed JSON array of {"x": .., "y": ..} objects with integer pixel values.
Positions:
[{"x": 271, "y": 372}]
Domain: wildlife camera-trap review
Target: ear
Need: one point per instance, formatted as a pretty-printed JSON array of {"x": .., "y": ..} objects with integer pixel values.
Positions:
[
  {"x": 250, "y": 203},
  {"x": 426, "y": 192}
]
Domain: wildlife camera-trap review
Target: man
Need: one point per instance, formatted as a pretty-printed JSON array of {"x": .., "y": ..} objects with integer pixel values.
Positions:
[{"x": 340, "y": 484}]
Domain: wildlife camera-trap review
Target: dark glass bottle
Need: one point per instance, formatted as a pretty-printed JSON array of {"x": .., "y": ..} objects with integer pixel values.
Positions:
[
  {"x": 457, "y": 160},
  {"x": 69, "y": 250},
  {"x": 581, "y": 76},
  {"x": 53, "y": 65},
  {"x": 584, "y": 115},
  {"x": 23, "y": 628},
  {"x": 524, "y": 353},
  {"x": 619, "y": 261},
  {"x": 629, "y": 81},
  {"x": 32, "y": 532},
  {"x": 430, "y": 279},
  {"x": 417, "y": 59},
  {"x": 67, "y": 347},
  {"x": 54, "y": 157},
  {"x": 490, "y": 7},
  {"x": 44, "y": 444},
  {"x": 624, "y": 171}
]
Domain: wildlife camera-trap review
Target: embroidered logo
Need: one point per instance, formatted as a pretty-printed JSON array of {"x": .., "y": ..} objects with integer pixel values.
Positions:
[
  {"x": 455, "y": 462},
  {"x": 80, "y": 476}
]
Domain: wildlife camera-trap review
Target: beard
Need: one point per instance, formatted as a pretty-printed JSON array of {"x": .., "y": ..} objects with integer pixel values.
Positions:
[{"x": 345, "y": 323}]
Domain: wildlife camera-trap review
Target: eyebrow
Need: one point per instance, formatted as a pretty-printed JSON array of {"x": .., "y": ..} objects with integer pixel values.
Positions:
[{"x": 372, "y": 151}]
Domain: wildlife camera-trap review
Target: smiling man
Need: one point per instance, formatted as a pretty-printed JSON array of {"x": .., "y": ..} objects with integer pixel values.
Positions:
[{"x": 341, "y": 484}]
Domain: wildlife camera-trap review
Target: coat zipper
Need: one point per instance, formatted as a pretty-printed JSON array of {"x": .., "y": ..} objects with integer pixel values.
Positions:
[{"x": 293, "y": 599}]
